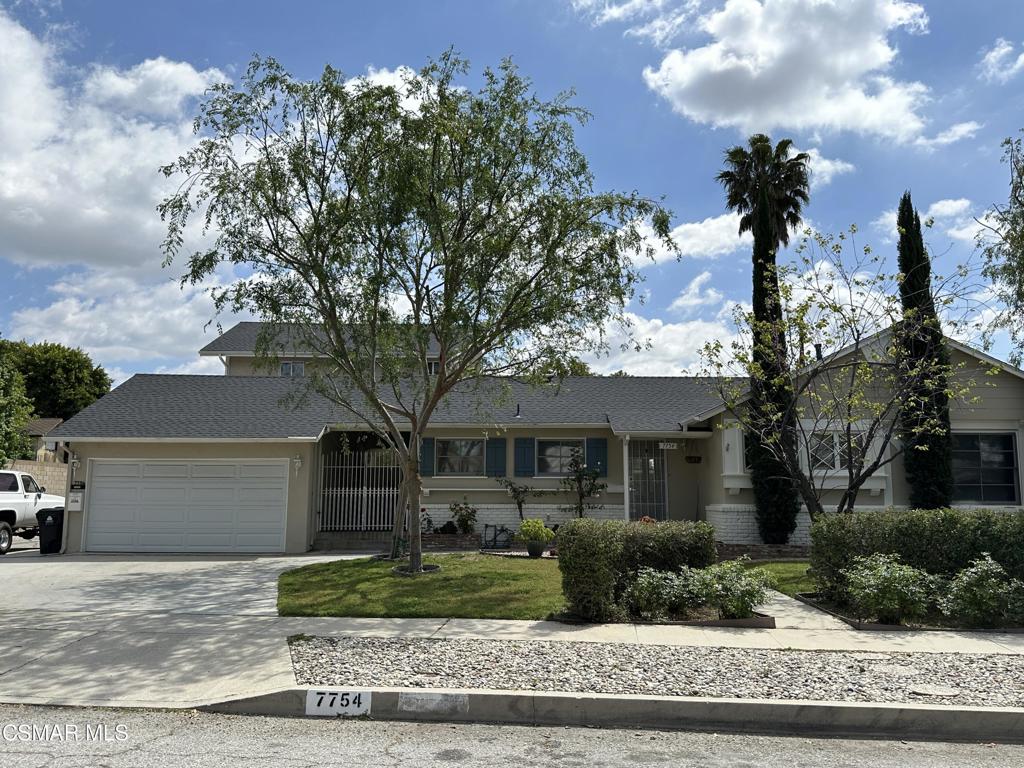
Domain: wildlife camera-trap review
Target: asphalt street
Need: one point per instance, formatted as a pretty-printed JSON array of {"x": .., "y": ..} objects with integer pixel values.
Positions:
[{"x": 34, "y": 737}]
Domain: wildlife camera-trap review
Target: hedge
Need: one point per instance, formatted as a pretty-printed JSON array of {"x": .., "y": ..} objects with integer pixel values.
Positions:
[
  {"x": 596, "y": 557},
  {"x": 941, "y": 542}
]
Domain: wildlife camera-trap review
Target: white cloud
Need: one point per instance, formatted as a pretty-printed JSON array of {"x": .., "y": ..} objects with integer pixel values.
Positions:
[
  {"x": 78, "y": 159},
  {"x": 951, "y": 135},
  {"x": 674, "y": 347},
  {"x": 944, "y": 209},
  {"x": 157, "y": 86},
  {"x": 706, "y": 239},
  {"x": 659, "y": 21},
  {"x": 814, "y": 65},
  {"x": 824, "y": 169},
  {"x": 122, "y": 323},
  {"x": 953, "y": 216},
  {"x": 998, "y": 63},
  {"x": 697, "y": 294}
]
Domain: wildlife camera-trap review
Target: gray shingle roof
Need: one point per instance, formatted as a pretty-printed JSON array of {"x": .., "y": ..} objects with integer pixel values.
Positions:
[
  {"x": 42, "y": 427},
  {"x": 242, "y": 337},
  {"x": 168, "y": 406}
]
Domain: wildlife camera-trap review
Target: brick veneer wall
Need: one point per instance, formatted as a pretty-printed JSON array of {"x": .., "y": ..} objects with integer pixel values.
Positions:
[
  {"x": 508, "y": 515},
  {"x": 51, "y": 476},
  {"x": 737, "y": 524}
]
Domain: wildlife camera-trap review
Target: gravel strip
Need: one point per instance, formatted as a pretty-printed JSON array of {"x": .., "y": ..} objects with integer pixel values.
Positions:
[{"x": 957, "y": 679}]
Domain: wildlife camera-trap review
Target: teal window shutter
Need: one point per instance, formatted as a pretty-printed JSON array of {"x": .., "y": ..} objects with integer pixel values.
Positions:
[
  {"x": 496, "y": 456},
  {"x": 597, "y": 454},
  {"x": 524, "y": 457},
  {"x": 427, "y": 457}
]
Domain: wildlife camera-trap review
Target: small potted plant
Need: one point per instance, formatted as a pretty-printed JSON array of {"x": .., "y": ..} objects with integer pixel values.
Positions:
[{"x": 535, "y": 535}]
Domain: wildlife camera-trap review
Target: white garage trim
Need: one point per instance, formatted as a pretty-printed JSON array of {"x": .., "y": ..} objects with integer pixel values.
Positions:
[{"x": 226, "y": 539}]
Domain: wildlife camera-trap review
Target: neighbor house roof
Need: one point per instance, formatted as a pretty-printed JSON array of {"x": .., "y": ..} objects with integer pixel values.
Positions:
[
  {"x": 183, "y": 407},
  {"x": 241, "y": 340},
  {"x": 42, "y": 427}
]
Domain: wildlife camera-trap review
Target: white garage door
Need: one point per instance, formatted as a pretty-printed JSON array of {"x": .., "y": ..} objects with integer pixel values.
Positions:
[{"x": 186, "y": 506}]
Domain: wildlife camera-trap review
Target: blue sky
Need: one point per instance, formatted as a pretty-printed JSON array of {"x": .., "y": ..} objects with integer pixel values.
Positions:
[{"x": 887, "y": 94}]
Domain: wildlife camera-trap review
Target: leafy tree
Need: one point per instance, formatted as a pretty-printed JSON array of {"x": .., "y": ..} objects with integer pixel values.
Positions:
[
  {"x": 15, "y": 410},
  {"x": 850, "y": 379},
  {"x": 570, "y": 366},
  {"x": 519, "y": 492},
  {"x": 583, "y": 484},
  {"x": 768, "y": 188},
  {"x": 389, "y": 226},
  {"x": 60, "y": 381},
  {"x": 925, "y": 428},
  {"x": 1001, "y": 240}
]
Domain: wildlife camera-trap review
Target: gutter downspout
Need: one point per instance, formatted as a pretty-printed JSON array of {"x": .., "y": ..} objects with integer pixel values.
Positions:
[
  {"x": 72, "y": 465},
  {"x": 625, "y": 477}
]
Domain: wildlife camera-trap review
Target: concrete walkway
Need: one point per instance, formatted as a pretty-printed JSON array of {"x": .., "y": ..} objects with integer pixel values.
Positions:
[
  {"x": 185, "y": 631},
  {"x": 184, "y": 660}
]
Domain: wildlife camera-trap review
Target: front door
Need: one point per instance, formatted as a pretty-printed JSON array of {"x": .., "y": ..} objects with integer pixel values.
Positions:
[{"x": 648, "y": 494}]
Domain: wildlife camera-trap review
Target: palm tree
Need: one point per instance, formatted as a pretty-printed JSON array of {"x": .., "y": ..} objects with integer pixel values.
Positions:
[
  {"x": 769, "y": 188},
  {"x": 758, "y": 168}
]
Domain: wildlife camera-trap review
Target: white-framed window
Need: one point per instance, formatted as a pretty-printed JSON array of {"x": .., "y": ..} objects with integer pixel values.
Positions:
[
  {"x": 828, "y": 451},
  {"x": 293, "y": 369},
  {"x": 459, "y": 456},
  {"x": 433, "y": 367},
  {"x": 985, "y": 468},
  {"x": 554, "y": 455}
]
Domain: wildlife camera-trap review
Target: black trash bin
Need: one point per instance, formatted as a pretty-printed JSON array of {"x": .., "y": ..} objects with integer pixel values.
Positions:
[{"x": 51, "y": 529}]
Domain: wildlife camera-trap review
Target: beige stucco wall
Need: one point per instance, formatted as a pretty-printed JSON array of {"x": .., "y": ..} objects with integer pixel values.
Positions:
[
  {"x": 995, "y": 403},
  {"x": 301, "y": 488},
  {"x": 247, "y": 366}
]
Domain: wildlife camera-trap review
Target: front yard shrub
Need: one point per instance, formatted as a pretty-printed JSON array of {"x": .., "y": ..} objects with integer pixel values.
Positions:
[
  {"x": 534, "y": 529},
  {"x": 668, "y": 546},
  {"x": 941, "y": 542},
  {"x": 652, "y": 595},
  {"x": 463, "y": 515},
  {"x": 1015, "y": 603},
  {"x": 600, "y": 559},
  {"x": 590, "y": 559},
  {"x": 732, "y": 587},
  {"x": 882, "y": 587},
  {"x": 978, "y": 596}
]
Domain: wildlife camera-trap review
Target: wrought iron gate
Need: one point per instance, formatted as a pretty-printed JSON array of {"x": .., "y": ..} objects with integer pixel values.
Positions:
[
  {"x": 648, "y": 491},
  {"x": 359, "y": 490}
]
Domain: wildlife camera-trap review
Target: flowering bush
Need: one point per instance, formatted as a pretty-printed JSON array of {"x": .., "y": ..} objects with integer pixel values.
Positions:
[
  {"x": 978, "y": 596},
  {"x": 463, "y": 515},
  {"x": 881, "y": 586},
  {"x": 732, "y": 587}
]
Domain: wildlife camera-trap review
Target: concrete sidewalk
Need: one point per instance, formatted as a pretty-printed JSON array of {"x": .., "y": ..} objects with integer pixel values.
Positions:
[{"x": 179, "y": 659}]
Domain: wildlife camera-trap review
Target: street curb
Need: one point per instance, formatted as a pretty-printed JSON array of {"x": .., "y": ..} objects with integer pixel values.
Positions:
[{"x": 806, "y": 718}]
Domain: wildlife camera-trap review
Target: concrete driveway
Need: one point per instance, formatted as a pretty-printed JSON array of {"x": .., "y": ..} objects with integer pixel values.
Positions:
[
  {"x": 142, "y": 630},
  {"x": 230, "y": 585}
]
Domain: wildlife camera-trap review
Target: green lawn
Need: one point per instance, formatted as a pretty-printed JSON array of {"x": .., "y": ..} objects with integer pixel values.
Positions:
[
  {"x": 467, "y": 586},
  {"x": 791, "y": 575}
]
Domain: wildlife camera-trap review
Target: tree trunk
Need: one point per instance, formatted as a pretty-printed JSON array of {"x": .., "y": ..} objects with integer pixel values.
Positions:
[
  {"x": 398, "y": 526},
  {"x": 414, "y": 488}
]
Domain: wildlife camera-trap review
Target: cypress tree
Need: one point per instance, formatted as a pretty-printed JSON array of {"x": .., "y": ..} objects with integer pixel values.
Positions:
[{"x": 924, "y": 422}]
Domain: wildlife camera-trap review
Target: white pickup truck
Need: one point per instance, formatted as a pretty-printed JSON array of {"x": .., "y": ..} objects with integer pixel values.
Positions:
[{"x": 20, "y": 499}]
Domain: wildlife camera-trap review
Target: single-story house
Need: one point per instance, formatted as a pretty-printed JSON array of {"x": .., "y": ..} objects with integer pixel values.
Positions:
[
  {"x": 188, "y": 463},
  {"x": 45, "y": 448}
]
